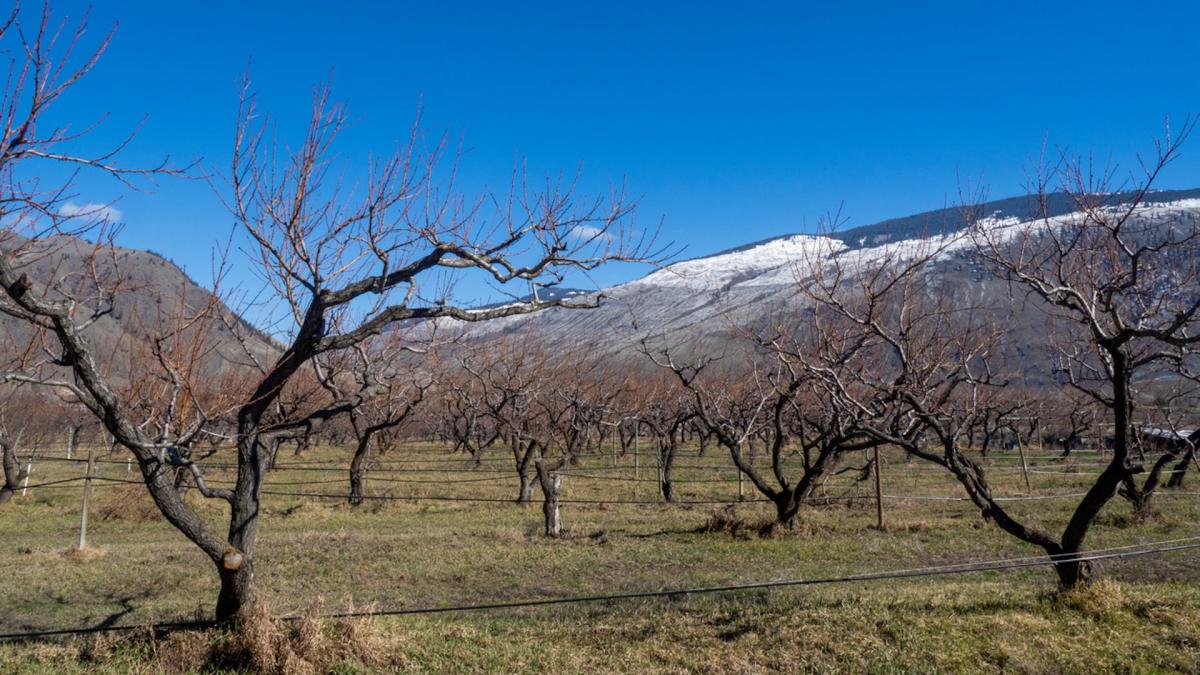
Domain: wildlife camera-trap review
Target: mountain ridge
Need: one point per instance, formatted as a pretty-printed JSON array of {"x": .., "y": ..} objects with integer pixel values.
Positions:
[
  {"x": 1022, "y": 207},
  {"x": 702, "y": 304}
]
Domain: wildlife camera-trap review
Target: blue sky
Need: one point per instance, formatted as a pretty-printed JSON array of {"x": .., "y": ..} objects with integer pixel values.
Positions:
[{"x": 733, "y": 121}]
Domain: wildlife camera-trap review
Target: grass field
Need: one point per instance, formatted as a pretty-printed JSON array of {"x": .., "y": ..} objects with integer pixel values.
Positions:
[{"x": 319, "y": 555}]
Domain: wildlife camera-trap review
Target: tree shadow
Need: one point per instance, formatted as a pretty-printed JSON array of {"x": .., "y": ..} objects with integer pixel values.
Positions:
[{"x": 127, "y": 603}]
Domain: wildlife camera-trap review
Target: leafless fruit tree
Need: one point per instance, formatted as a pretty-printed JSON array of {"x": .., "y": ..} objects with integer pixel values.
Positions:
[
  {"x": 550, "y": 408},
  {"x": 777, "y": 404},
  {"x": 345, "y": 262},
  {"x": 922, "y": 358},
  {"x": 1122, "y": 278},
  {"x": 664, "y": 414},
  {"x": 394, "y": 384}
]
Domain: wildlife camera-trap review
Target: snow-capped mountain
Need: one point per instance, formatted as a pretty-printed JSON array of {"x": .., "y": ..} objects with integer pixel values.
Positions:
[{"x": 703, "y": 301}]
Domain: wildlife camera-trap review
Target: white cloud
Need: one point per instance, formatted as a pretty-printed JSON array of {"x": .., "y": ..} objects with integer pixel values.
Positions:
[
  {"x": 587, "y": 232},
  {"x": 16, "y": 220},
  {"x": 97, "y": 213}
]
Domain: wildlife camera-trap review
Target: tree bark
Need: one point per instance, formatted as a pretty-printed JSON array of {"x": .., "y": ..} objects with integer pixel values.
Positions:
[
  {"x": 1142, "y": 498},
  {"x": 787, "y": 510},
  {"x": 13, "y": 473},
  {"x": 666, "y": 462},
  {"x": 551, "y": 484},
  {"x": 527, "y": 483},
  {"x": 1109, "y": 480},
  {"x": 523, "y": 457},
  {"x": 1180, "y": 469},
  {"x": 237, "y": 589},
  {"x": 1073, "y": 573},
  {"x": 237, "y": 582},
  {"x": 358, "y": 468}
]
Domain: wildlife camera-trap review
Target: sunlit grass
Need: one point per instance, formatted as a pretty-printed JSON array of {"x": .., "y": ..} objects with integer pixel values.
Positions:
[{"x": 401, "y": 552}]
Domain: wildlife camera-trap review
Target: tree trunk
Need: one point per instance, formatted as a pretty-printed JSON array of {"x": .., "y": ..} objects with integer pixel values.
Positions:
[
  {"x": 273, "y": 452},
  {"x": 1074, "y": 573},
  {"x": 358, "y": 469},
  {"x": 551, "y": 511},
  {"x": 236, "y": 566},
  {"x": 1180, "y": 469},
  {"x": 666, "y": 461},
  {"x": 237, "y": 588},
  {"x": 159, "y": 478},
  {"x": 13, "y": 474},
  {"x": 527, "y": 480},
  {"x": 523, "y": 457},
  {"x": 182, "y": 481},
  {"x": 1141, "y": 498},
  {"x": 356, "y": 485},
  {"x": 787, "y": 510},
  {"x": 551, "y": 484}
]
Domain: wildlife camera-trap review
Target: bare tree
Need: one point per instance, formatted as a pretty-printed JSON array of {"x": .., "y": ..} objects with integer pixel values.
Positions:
[
  {"x": 1072, "y": 416},
  {"x": 502, "y": 380},
  {"x": 1163, "y": 437},
  {"x": 12, "y": 429},
  {"x": 994, "y": 421},
  {"x": 379, "y": 366},
  {"x": 1123, "y": 280},
  {"x": 665, "y": 413},
  {"x": 470, "y": 425},
  {"x": 914, "y": 359},
  {"x": 346, "y": 269},
  {"x": 921, "y": 358},
  {"x": 775, "y": 404},
  {"x": 345, "y": 265}
]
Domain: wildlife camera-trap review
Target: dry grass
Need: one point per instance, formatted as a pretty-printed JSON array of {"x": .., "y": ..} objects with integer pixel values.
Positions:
[
  {"x": 1100, "y": 598},
  {"x": 130, "y": 504},
  {"x": 320, "y": 556},
  {"x": 727, "y": 519},
  {"x": 941, "y": 627},
  {"x": 261, "y": 642}
]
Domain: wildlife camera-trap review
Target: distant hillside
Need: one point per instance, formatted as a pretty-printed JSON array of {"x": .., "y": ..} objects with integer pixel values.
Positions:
[
  {"x": 153, "y": 289},
  {"x": 704, "y": 304}
]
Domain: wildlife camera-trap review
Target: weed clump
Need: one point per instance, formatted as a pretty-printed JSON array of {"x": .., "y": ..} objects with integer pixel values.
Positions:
[
  {"x": 727, "y": 519},
  {"x": 1100, "y": 598},
  {"x": 266, "y": 643},
  {"x": 260, "y": 642}
]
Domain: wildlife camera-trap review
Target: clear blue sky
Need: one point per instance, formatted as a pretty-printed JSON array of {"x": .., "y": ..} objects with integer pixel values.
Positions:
[{"x": 734, "y": 121}]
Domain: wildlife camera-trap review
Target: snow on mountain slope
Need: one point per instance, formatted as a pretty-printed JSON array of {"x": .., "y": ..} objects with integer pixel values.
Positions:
[
  {"x": 748, "y": 264},
  {"x": 703, "y": 300}
]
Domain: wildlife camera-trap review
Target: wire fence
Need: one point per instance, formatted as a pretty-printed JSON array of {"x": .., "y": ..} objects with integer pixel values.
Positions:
[
  {"x": 1118, "y": 552},
  {"x": 393, "y": 472},
  {"x": 510, "y": 475}
]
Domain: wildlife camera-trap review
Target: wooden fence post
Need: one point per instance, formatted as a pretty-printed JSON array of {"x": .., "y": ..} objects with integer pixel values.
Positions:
[
  {"x": 1024, "y": 465},
  {"x": 87, "y": 497},
  {"x": 878, "y": 491},
  {"x": 637, "y": 432},
  {"x": 28, "y": 470}
]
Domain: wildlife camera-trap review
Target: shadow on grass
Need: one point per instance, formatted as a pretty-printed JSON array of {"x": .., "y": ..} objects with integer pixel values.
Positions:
[{"x": 127, "y": 604}]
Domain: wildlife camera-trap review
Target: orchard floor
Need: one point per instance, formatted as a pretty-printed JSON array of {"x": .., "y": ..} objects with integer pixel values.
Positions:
[{"x": 318, "y": 555}]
